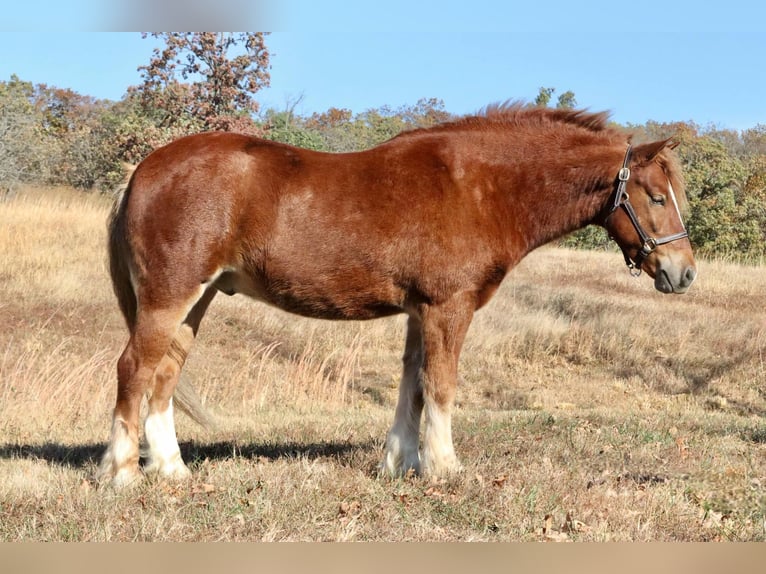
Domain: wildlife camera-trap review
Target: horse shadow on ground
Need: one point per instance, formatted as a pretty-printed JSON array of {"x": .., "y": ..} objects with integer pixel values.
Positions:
[{"x": 88, "y": 455}]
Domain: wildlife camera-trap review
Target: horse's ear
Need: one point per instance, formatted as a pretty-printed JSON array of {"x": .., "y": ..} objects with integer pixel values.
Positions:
[{"x": 645, "y": 153}]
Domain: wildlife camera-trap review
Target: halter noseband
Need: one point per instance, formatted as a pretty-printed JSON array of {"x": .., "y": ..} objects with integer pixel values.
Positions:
[{"x": 648, "y": 243}]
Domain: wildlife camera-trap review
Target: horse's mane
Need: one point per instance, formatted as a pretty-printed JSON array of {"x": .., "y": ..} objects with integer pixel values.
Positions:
[
  {"x": 518, "y": 114},
  {"x": 514, "y": 113}
]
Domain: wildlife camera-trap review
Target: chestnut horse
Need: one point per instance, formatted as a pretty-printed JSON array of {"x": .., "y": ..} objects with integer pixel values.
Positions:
[{"x": 427, "y": 223}]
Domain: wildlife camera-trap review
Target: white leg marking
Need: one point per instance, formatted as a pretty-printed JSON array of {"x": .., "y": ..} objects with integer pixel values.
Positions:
[
  {"x": 402, "y": 449},
  {"x": 438, "y": 452},
  {"x": 121, "y": 457},
  {"x": 164, "y": 454},
  {"x": 401, "y": 452}
]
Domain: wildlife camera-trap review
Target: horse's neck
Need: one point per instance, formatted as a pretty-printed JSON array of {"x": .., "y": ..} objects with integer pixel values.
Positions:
[{"x": 552, "y": 192}]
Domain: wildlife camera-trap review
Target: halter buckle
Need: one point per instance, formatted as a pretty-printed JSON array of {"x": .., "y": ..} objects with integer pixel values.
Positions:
[
  {"x": 649, "y": 246},
  {"x": 624, "y": 174}
]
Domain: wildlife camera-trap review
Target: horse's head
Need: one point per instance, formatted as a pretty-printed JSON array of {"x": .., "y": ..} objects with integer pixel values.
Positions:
[{"x": 644, "y": 217}]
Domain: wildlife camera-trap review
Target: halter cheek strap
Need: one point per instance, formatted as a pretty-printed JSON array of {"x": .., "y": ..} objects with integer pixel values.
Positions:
[{"x": 648, "y": 243}]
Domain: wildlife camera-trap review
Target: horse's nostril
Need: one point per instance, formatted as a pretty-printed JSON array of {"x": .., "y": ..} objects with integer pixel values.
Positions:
[{"x": 689, "y": 275}]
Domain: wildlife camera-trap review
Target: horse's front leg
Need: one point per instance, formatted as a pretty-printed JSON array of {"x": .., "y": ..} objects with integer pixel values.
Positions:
[
  {"x": 402, "y": 441},
  {"x": 444, "y": 329}
]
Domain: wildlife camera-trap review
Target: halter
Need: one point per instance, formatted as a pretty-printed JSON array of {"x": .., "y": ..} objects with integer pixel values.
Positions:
[{"x": 648, "y": 243}]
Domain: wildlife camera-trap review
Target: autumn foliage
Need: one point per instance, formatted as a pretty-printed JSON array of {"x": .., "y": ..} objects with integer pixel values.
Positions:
[{"x": 210, "y": 81}]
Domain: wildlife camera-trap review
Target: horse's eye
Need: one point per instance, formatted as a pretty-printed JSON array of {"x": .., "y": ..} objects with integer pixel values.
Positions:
[{"x": 658, "y": 199}]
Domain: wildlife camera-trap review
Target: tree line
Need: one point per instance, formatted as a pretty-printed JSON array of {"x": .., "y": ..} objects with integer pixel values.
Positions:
[{"x": 209, "y": 81}]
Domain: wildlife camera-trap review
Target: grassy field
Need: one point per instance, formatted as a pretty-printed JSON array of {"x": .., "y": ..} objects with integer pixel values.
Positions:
[{"x": 591, "y": 408}]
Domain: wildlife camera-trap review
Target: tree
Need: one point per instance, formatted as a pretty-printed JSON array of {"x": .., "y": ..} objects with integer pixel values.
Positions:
[
  {"x": 80, "y": 151},
  {"x": 221, "y": 71},
  {"x": 425, "y": 113},
  {"x": 566, "y": 100},
  {"x": 754, "y": 140},
  {"x": 335, "y": 127},
  {"x": 339, "y": 130},
  {"x": 544, "y": 97},
  {"x": 332, "y": 118},
  {"x": 24, "y": 145}
]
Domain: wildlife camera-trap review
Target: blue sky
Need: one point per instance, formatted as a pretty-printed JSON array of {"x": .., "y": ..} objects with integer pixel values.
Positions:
[{"x": 654, "y": 60}]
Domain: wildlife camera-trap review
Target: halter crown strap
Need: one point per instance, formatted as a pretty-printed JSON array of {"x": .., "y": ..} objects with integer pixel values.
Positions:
[{"x": 623, "y": 176}]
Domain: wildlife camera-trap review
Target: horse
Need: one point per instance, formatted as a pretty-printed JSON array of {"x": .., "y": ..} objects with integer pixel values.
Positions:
[{"x": 427, "y": 223}]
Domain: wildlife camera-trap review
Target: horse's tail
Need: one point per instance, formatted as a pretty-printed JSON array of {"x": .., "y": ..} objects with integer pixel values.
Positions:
[
  {"x": 119, "y": 253},
  {"x": 187, "y": 400},
  {"x": 184, "y": 397}
]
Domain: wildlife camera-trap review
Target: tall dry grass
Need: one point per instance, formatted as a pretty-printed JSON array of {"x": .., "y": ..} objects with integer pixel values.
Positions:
[{"x": 590, "y": 407}]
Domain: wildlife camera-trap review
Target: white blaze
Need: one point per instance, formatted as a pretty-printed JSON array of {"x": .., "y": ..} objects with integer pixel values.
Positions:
[{"x": 675, "y": 204}]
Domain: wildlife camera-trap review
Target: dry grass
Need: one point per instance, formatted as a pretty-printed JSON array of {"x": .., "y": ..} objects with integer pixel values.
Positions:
[{"x": 591, "y": 407}]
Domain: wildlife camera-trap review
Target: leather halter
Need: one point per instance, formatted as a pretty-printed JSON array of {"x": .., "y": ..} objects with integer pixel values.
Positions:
[{"x": 648, "y": 243}]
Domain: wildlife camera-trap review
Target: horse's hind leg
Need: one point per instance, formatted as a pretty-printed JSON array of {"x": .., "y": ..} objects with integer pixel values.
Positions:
[
  {"x": 159, "y": 428},
  {"x": 149, "y": 341}
]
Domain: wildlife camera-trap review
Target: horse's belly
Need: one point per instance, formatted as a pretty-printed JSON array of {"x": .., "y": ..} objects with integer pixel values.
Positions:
[{"x": 321, "y": 297}]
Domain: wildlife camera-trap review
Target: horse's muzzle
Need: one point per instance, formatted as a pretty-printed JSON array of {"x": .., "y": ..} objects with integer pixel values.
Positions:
[{"x": 666, "y": 281}]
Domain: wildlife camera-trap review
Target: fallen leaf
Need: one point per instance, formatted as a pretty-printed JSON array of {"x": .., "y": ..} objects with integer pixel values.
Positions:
[
  {"x": 434, "y": 492},
  {"x": 548, "y": 523},
  {"x": 571, "y": 524},
  {"x": 402, "y": 497},
  {"x": 549, "y": 533},
  {"x": 203, "y": 488},
  {"x": 349, "y": 508}
]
